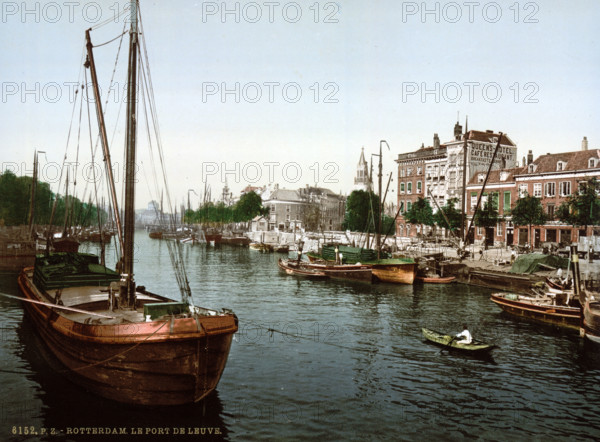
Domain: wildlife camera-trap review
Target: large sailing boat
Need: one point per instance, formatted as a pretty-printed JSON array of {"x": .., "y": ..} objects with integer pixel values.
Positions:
[{"x": 114, "y": 337}]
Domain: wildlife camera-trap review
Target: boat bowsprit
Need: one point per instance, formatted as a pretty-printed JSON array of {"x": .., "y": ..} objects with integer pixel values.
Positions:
[{"x": 451, "y": 342}]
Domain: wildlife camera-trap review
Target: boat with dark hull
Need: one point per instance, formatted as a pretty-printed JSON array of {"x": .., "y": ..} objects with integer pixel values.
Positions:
[
  {"x": 540, "y": 309},
  {"x": 393, "y": 270},
  {"x": 113, "y": 336},
  {"x": 291, "y": 267},
  {"x": 451, "y": 342},
  {"x": 354, "y": 272}
]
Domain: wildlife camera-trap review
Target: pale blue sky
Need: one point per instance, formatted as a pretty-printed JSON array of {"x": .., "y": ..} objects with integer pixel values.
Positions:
[{"x": 369, "y": 61}]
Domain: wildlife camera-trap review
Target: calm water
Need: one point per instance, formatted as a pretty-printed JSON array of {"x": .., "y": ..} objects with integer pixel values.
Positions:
[{"x": 345, "y": 362}]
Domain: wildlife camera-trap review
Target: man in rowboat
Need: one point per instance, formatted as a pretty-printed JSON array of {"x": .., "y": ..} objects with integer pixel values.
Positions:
[{"x": 465, "y": 335}]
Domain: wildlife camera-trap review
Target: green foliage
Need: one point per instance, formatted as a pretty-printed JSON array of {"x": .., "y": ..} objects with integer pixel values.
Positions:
[
  {"x": 453, "y": 215},
  {"x": 361, "y": 209},
  {"x": 583, "y": 208},
  {"x": 420, "y": 213},
  {"x": 249, "y": 205},
  {"x": 15, "y": 203},
  {"x": 528, "y": 211},
  {"x": 488, "y": 215}
]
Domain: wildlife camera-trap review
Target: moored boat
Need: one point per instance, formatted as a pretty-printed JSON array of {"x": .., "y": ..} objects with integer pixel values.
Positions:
[
  {"x": 541, "y": 309},
  {"x": 113, "y": 336},
  {"x": 591, "y": 318},
  {"x": 436, "y": 279},
  {"x": 396, "y": 270},
  {"x": 293, "y": 268},
  {"x": 261, "y": 247},
  {"x": 355, "y": 272},
  {"x": 451, "y": 342}
]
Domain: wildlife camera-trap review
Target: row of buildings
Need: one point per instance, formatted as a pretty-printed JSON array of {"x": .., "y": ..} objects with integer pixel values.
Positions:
[{"x": 436, "y": 173}]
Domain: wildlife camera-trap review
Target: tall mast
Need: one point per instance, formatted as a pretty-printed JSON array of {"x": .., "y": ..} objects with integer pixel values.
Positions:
[
  {"x": 33, "y": 191},
  {"x": 464, "y": 186},
  {"x": 128, "y": 298},
  {"x": 103, "y": 137}
]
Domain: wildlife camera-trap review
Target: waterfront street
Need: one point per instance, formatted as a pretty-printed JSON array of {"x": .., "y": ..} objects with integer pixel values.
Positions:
[{"x": 343, "y": 362}]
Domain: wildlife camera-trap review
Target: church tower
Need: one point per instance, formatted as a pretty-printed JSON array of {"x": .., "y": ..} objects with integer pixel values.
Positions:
[{"x": 362, "y": 180}]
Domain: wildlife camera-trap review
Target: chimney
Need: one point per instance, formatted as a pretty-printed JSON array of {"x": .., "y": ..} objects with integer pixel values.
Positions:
[
  {"x": 530, "y": 157},
  {"x": 489, "y": 131},
  {"x": 523, "y": 163},
  {"x": 584, "y": 144},
  {"x": 436, "y": 141},
  {"x": 457, "y": 131}
]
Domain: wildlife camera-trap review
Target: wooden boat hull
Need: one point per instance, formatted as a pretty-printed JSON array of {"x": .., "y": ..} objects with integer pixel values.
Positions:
[
  {"x": 168, "y": 361},
  {"x": 450, "y": 342},
  {"x": 440, "y": 280},
  {"x": 562, "y": 316},
  {"x": 156, "y": 235},
  {"x": 591, "y": 321},
  {"x": 297, "y": 270},
  {"x": 397, "y": 273},
  {"x": 354, "y": 272}
]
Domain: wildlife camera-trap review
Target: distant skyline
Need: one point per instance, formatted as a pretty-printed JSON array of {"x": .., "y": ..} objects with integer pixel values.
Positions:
[{"x": 289, "y": 92}]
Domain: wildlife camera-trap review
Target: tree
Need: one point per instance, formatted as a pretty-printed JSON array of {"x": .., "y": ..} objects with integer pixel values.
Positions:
[
  {"x": 488, "y": 215},
  {"x": 249, "y": 206},
  {"x": 312, "y": 217},
  {"x": 420, "y": 213},
  {"x": 583, "y": 208},
  {"x": 361, "y": 209},
  {"x": 453, "y": 216},
  {"x": 528, "y": 211}
]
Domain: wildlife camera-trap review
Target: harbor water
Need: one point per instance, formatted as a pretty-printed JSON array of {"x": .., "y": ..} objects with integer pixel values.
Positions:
[{"x": 328, "y": 360}]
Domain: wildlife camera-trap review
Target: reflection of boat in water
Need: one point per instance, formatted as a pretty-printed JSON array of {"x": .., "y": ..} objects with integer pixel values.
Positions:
[
  {"x": 452, "y": 343},
  {"x": 294, "y": 268},
  {"x": 47, "y": 383},
  {"x": 114, "y": 337},
  {"x": 537, "y": 308}
]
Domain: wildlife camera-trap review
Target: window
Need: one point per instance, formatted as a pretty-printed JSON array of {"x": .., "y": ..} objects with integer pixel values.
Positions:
[
  {"x": 480, "y": 178},
  {"x": 402, "y": 172},
  {"x": 499, "y": 229},
  {"x": 560, "y": 165},
  {"x": 419, "y": 170},
  {"x": 409, "y": 187},
  {"x": 473, "y": 200},
  {"x": 522, "y": 190},
  {"x": 592, "y": 163},
  {"x": 401, "y": 208},
  {"x": 503, "y": 176},
  {"x": 408, "y": 171},
  {"x": 419, "y": 187},
  {"x": 581, "y": 187},
  {"x": 537, "y": 190},
  {"x": 531, "y": 168},
  {"x": 551, "y": 211},
  {"x": 550, "y": 189},
  {"x": 401, "y": 187},
  {"x": 408, "y": 206},
  {"x": 506, "y": 202},
  {"x": 565, "y": 188}
]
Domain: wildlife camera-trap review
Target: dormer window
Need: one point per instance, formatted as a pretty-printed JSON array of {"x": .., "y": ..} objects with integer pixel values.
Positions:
[
  {"x": 503, "y": 176},
  {"x": 592, "y": 163},
  {"x": 480, "y": 178},
  {"x": 560, "y": 165}
]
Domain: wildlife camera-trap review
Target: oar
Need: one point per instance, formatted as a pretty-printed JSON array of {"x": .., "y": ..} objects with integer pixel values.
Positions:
[{"x": 449, "y": 344}]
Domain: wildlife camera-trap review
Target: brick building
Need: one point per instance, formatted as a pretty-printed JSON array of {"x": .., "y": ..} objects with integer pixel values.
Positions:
[
  {"x": 552, "y": 178},
  {"x": 436, "y": 172}
]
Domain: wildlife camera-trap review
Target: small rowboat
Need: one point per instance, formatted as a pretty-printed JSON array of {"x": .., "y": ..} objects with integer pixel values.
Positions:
[
  {"x": 450, "y": 342},
  {"x": 435, "y": 279},
  {"x": 292, "y": 268}
]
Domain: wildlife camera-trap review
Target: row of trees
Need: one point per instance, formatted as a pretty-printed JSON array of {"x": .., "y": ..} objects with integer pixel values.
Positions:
[
  {"x": 249, "y": 205},
  {"x": 580, "y": 209},
  {"x": 16, "y": 197},
  {"x": 362, "y": 214}
]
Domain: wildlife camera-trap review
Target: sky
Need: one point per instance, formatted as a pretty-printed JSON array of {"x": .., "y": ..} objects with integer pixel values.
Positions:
[{"x": 287, "y": 93}]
